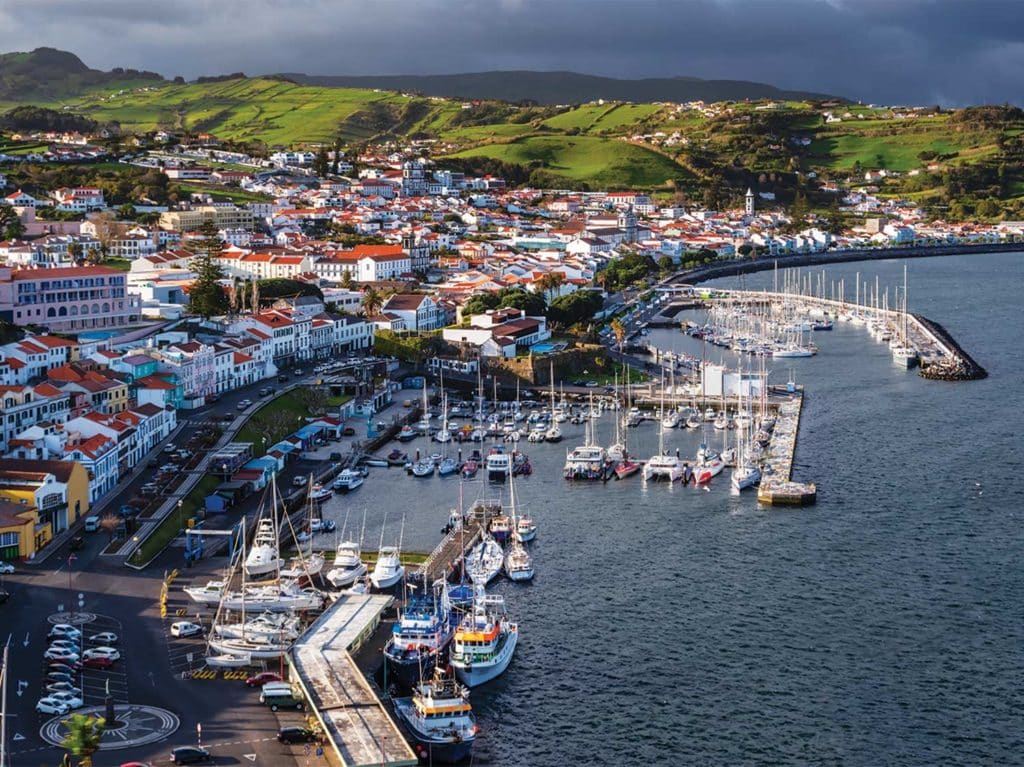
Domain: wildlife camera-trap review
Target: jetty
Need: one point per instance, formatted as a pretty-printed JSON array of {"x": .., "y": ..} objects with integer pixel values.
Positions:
[
  {"x": 777, "y": 488},
  {"x": 357, "y": 726},
  {"x": 450, "y": 551}
]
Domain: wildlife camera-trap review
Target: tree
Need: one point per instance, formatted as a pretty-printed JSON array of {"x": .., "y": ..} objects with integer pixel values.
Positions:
[
  {"x": 479, "y": 304},
  {"x": 666, "y": 264},
  {"x": 834, "y": 218},
  {"x": 11, "y": 226},
  {"x": 746, "y": 249},
  {"x": 619, "y": 330},
  {"x": 127, "y": 211},
  {"x": 372, "y": 301},
  {"x": 551, "y": 284},
  {"x": 206, "y": 296},
  {"x": 529, "y": 303},
  {"x": 110, "y": 522},
  {"x": 75, "y": 250},
  {"x": 346, "y": 280},
  {"x": 83, "y": 736},
  {"x": 314, "y": 398},
  {"x": 272, "y": 424},
  {"x": 798, "y": 211},
  {"x": 94, "y": 256},
  {"x": 321, "y": 164},
  {"x": 337, "y": 157}
]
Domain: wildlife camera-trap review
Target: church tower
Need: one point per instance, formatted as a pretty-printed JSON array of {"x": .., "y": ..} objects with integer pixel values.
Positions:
[
  {"x": 627, "y": 223},
  {"x": 748, "y": 207}
]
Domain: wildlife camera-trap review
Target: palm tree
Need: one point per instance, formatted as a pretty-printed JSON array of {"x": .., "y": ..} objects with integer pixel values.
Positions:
[
  {"x": 550, "y": 283},
  {"x": 620, "y": 333},
  {"x": 372, "y": 302},
  {"x": 84, "y": 736}
]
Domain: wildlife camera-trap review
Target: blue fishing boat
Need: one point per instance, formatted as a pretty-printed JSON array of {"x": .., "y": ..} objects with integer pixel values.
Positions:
[{"x": 422, "y": 634}]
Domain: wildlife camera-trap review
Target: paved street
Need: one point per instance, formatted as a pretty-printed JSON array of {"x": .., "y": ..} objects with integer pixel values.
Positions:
[{"x": 114, "y": 598}]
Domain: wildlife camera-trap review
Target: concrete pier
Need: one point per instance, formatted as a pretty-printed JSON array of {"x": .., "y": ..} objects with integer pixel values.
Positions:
[{"x": 778, "y": 487}]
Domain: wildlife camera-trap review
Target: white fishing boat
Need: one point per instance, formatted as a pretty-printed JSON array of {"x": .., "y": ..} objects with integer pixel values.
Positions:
[
  {"x": 518, "y": 562},
  {"x": 320, "y": 493},
  {"x": 526, "y": 529},
  {"x": 553, "y": 433},
  {"x": 485, "y": 641},
  {"x": 229, "y": 660}
]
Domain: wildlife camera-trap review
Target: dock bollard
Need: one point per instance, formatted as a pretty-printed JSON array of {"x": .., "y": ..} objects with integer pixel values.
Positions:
[{"x": 417, "y": 455}]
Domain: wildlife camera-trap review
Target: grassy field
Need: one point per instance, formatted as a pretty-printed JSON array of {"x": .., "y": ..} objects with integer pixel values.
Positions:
[
  {"x": 288, "y": 403},
  {"x": 835, "y": 149},
  {"x": 221, "y": 192},
  {"x": 597, "y": 161},
  {"x": 172, "y": 524}
]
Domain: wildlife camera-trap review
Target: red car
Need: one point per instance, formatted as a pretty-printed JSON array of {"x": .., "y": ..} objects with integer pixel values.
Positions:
[
  {"x": 258, "y": 680},
  {"x": 101, "y": 663}
]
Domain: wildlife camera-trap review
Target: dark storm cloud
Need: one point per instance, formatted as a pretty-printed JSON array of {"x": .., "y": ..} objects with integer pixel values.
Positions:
[{"x": 892, "y": 51}]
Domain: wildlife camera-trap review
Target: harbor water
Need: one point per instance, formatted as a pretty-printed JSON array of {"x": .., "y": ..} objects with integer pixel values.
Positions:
[{"x": 672, "y": 625}]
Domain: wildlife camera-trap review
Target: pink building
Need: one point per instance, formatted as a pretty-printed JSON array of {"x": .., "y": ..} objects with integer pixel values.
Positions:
[{"x": 67, "y": 299}]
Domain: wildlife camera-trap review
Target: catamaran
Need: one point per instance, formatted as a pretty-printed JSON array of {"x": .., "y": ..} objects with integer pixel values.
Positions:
[{"x": 663, "y": 466}]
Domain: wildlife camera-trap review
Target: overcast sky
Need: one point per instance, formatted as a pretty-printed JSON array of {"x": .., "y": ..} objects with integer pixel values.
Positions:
[{"x": 886, "y": 51}]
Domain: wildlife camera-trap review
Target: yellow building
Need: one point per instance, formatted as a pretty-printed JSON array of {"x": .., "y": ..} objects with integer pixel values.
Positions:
[
  {"x": 56, "y": 491},
  {"x": 17, "y": 531},
  {"x": 226, "y": 217}
]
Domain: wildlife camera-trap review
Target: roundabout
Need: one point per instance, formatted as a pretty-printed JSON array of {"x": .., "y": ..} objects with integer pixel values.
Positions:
[{"x": 136, "y": 726}]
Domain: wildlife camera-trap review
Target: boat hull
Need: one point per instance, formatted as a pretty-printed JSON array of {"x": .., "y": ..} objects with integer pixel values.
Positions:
[
  {"x": 475, "y": 674},
  {"x": 431, "y": 749},
  {"x": 386, "y": 581},
  {"x": 405, "y": 669}
]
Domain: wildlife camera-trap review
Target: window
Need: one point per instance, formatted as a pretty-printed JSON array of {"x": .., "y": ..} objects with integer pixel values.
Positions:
[{"x": 9, "y": 539}]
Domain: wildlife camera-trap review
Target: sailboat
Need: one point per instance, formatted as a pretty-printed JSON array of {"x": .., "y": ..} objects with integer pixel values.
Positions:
[
  {"x": 746, "y": 473},
  {"x": 553, "y": 432},
  {"x": 312, "y": 562},
  {"x": 617, "y": 450},
  {"x": 588, "y": 461},
  {"x": 518, "y": 562},
  {"x": 663, "y": 466},
  {"x": 348, "y": 563},
  {"x": 388, "y": 569},
  {"x": 264, "y": 553},
  {"x": 444, "y": 433},
  {"x": 904, "y": 354}
]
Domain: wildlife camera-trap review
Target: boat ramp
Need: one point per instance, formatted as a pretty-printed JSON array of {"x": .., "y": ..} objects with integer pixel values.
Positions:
[{"x": 358, "y": 728}]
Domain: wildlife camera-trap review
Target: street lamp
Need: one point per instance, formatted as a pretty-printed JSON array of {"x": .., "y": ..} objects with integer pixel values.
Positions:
[{"x": 181, "y": 503}]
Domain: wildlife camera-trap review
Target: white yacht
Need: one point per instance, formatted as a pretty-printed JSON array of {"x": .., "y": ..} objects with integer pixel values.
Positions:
[
  {"x": 663, "y": 467},
  {"x": 499, "y": 465},
  {"x": 585, "y": 462},
  {"x": 388, "y": 569},
  {"x": 264, "y": 555},
  {"x": 348, "y": 565},
  {"x": 210, "y": 594},
  {"x": 347, "y": 480}
]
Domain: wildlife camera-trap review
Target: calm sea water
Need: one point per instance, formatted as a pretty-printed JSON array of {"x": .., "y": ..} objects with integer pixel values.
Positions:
[{"x": 883, "y": 626}]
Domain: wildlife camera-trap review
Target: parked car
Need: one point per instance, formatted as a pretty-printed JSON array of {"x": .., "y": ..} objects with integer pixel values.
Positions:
[
  {"x": 300, "y": 481},
  {"x": 69, "y": 699},
  {"x": 50, "y": 705},
  {"x": 99, "y": 662},
  {"x": 265, "y": 391},
  {"x": 349, "y": 431},
  {"x": 64, "y": 668},
  {"x": 60, "y": 653},
  {"x": 64, "y": 644},
  {"x": 6, "y": 568},
  {"x": 185, "y": 629},
  {"x": 262, "y": 678},
  {"x": 244, "y": 404},
  {"x": 169, "y": 447},
  {"x": 189, "y": 755},
  {"x": 295, "y": 735},
  {"x": 297, "y": 372},
  {"x": 64, "y": 687},
  {"x": 150, "y": 488},
  {"x": 282, "y": 378},
  {"x": 104, "y": 637},
  {"x": 64, "y": 630},
  {"x": 59, "y": 676},
  {"x": 100, "y": 652},
  {"x": 336, "y": 457}
]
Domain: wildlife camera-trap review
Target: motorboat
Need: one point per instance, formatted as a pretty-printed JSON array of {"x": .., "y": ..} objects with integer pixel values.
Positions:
[
  {"x": 274, "y": 598},
  {"x": 904, "y": 357},
  {"x": 265, "y": 625},
  {"x": 304, "y": 566},
  {"x": 388, "y": 570},
  {"x": 721, "y": 421},
  {"x": 526, "y": 529},
  {"x": 397, "y": 458},
  {"x": 348, "y": 565},
  {"x": 469, "y": 469},
  {"x": 210, "y": 594},
  {"x": 553, "y": 433},
  {"x": 627, "y": 467},
  {"x": 585, "y": 462},
  {"x": 406, "y": 434},
  {"x": 438, "y": 719},
  {"x": 447, "y": 466},
  {"x": 263, "y": 556},
  {"x": 483, "y": 562},
  {"x": 501, "y": 528},
  {"x": 518, "y": 562},
  {"x": 419, "y": 637},
  {"x": 319, "y": 493},
  {"x": 671, "y": 419},
  {"x": 259, "y": 649},
  {"x": 693, "y": 420},
  {"x": 484, "y": 641},
  {"x": 499, "y": 465},
  {"x": 347, "y": 480}
]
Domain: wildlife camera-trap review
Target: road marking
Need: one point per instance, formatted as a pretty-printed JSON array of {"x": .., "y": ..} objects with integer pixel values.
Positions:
[
  {"x": 26, "y": 639},
  {"x": 22, "y": 686},
  {"x": 18, "y": 736},
  {"x": 250, "y": 757}
]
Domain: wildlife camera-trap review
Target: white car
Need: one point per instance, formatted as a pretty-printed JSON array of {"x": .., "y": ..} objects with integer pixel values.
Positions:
[
  {"x": 65, "y": 644},
  {"x": 64, "y": 687},
  {"x": 105, "y": 638},
  {"x": 101, "y": 652},
  {"x": 61, "y": 653},
  {"x": 64, "y": 630},
  {"x": 49, "y": 705},
  {"x": 185, "y": 629},
  {"x": 6, "y": 568},
  {"x": 68, "y": 699}
]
